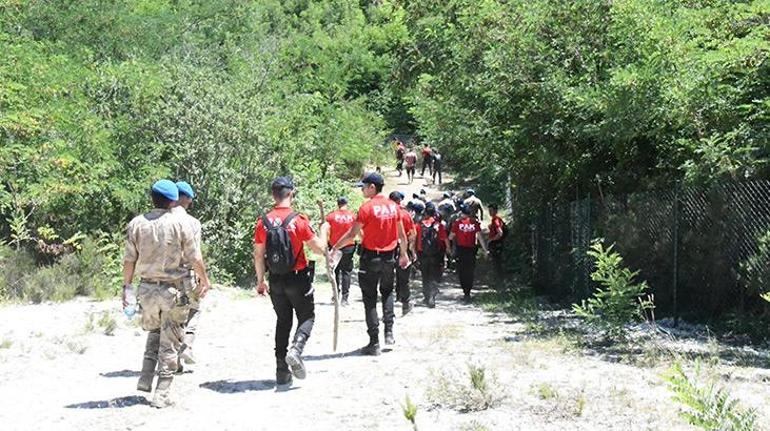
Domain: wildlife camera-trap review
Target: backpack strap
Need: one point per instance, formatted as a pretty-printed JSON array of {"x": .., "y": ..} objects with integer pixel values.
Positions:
[
  {"x": 289, "y": 219},
  {"x": 266, "y": 222}
]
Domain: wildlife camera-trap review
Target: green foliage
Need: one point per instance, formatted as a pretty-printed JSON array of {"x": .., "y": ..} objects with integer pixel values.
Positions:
[
  {"x": 409, "y": 409},
  {"x": 754, "y": 272},
  {"x": 473, "y": 392},
  {"x": 108, "y": 323},
  {"x": 616, "y": 301},
  {"x": 708, "y": 406}
]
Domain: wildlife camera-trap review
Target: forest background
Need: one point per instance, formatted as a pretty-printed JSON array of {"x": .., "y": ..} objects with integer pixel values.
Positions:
[{"x": 542, "y": 100}]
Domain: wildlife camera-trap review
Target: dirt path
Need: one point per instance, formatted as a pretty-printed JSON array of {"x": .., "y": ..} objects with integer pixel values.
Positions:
[{"x": 59, "y": 372}]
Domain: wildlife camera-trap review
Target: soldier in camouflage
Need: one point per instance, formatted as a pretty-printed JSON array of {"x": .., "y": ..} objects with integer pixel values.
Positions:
[{"x": 157, "y": 246}]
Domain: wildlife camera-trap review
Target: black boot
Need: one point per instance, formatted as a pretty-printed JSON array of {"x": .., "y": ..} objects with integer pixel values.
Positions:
[
  {"x": 389, "y": 340},
  {"x": 150, "y": 362},
  {"x": 371, "y": 349},
  {"x": 282, "y": 373}
]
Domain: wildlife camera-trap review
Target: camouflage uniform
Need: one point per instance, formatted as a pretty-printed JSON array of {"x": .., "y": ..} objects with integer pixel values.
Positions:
[
  {"x": 191, "y": 284},
  {"x": 159, "y": 242}
]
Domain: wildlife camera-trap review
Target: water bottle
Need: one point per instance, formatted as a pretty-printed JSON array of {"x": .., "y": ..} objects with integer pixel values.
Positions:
[{"x": 130, "y": 309}]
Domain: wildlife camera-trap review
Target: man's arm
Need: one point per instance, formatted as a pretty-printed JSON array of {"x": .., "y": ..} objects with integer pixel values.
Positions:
[
  {"x": 324, "y": 234},
  {"x": 128, "y": 276},
  {"x": 480, "y": 240},
  {"x": 403, "y": 260},
  {"x": 259, "y": 267},
  {"x": 200, "y": 270}
]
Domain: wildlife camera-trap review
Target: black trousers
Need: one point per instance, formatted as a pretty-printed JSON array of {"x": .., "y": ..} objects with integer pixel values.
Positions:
[
  {"x": 292, "y": 293},
  {"x": 432, "y": 267},
  {"x": 410, "y": 172},
  {"x": 496, "y": 254},
  {"x": 402, "y": 283},
  {"x": 437, "y": 172},
  {"x": 466, "y": 267},
  {"x": 344, "y": 269},
  {"x": 377, "y": 270},
  {"x": 426, "y": 164}
]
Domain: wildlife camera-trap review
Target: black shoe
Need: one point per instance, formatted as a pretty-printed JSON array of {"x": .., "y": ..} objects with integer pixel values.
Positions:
[
  {"x": 371, "y": 349},
  {"x": 283, "y": 377},
  {"x": 406, "y": 307},
  {"x": 294, "y": 360},
  {"x": 389, "y": 340},
  {"x": 467, "y": 298}
]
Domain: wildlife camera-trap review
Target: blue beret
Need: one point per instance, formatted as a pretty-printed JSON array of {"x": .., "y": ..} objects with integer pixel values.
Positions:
[
  {"x": 185, "y": 189},
  {"x": 167, "y": 189}
]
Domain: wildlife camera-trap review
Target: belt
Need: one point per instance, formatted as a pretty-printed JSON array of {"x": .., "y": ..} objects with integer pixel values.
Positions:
[
  {"x": 167, "y": 283},
  {"x": 301, "y": 271},
  {"x": 378, "y": 253}
]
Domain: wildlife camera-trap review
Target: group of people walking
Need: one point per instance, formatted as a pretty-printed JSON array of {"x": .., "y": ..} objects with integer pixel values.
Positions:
[
  {"x": 432, "y": 160},
  {"x": 392, "y": 236}
]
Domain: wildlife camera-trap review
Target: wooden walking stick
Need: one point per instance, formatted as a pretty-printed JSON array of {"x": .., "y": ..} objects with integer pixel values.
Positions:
[{"x": 333, "y": 281}]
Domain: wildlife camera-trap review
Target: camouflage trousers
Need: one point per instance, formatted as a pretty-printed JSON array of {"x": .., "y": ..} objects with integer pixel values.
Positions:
[
  {"x": 164, "y": 309},
  {"x": 191, "y": 324}
]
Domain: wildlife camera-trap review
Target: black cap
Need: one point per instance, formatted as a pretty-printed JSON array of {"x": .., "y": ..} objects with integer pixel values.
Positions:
[
  {"x": 282, "y": 183},
  {"x": 447, "y": 195},
  {"x": 371, "y": 178},
  {"x": 466, "y": 209},
  {"x": 418, "y": 207},
  {"x": 342, "y": 200},
  {"x": 396, "y": 196}
]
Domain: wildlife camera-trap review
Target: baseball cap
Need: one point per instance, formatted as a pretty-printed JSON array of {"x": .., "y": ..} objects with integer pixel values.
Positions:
[
  {"x": 167, "y": 189},
  {"x": 282, "y": 183},
  {"x": 447, "y": 195},
  {"x": 470, "y": 192},
  {"x": 342, "y": 200},
  {"x": 186, "y": 189},
  {"x": 371, "y": 178},
  {"x": 396, "y": 196}
]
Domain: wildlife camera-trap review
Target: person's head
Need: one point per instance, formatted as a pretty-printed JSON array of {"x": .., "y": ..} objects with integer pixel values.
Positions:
[
  {"x": 430, "y": 209},
  {"x": 423, "y": 192},
  {"x": 466, "y": 209},
  {"x": 371, "y": 184},
  {"x": 396, "y": 197},
  {"x": 282, "y": 189},
  {"x": 447, "y": 195},
  {"x": 164, "y": 194},
  {"x": 469, "y": 193},
  {"x": 493, "y": 209},
  {"x": 418, "y": 207},
  {"x": 410, "y": 206},
  {"x": 342, "y": 202},
  {"x": 186, "y": 194}
]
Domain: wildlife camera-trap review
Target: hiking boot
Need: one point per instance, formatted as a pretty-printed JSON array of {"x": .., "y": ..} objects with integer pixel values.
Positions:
[
  {"x": 179, "y": 368},
  {"x": 283, "y": 377},
  {"x": 147, "y": 375},
  {"x": 406, "y": 307},
  {"x": 294, "y": 360},
  {"x": 371, "y": 349},
  {"x": 162, "y": 398},
  {"x": 345, "y": 302},
  {"x": 389, "y": 340}
]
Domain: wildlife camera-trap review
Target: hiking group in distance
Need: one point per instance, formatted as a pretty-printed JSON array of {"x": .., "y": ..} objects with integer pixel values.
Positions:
[{"x": 393, "y": 237}]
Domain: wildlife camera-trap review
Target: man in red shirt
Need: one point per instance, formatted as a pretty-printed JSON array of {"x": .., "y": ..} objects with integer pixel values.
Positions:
[
  {"x": 403, "y": 293},
  {"x": 466, "y": 232},
  {"x": 379, "y": 219},
  {"x": 291, "y": 291},
  {"x": 432, "y": 241},
  {"x": 496, "y": 231},
  {"x": 338, "y": 223},
  {"x": 427, "y": 160}
]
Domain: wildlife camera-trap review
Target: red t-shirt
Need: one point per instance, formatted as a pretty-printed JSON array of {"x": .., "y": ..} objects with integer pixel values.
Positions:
[
  {"x": 426, "y": 152},
  {"x": 465, "y": 230},
  {"x": 426, "y": 224},
  {"x": 340, "y": 222},
  {"x": 379, "y": 218},
  {"x": 299, "y": 232},
  {"x": 410, "y": 159},
  {"x": 496, "y": 227}
]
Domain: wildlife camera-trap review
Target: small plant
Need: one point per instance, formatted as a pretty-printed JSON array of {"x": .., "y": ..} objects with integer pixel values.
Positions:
[
  {"x": 617, "y": 300},
  {"x": 474, "y": 426},
  {"x": 546, "y": 392},
  {"x": 108, "y": 323},
  {"x": 76, "y": 346},
  {"x": 580, "y": 403},
  {"x": 409, "y": 409},
  {"x": 6, "y": 343},
  {"x": 89, "y": 326},
  {"x": 475, "y": 392},
  {"x": 708, "y": 407}
]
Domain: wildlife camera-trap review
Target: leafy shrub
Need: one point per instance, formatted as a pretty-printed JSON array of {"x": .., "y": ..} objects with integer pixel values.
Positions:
[
  {"x": 708, "y": 407},
  {"x": 15, "y": 266},
  {"x": 616, "y": 301},
  {"x": 475, "y": 392}
]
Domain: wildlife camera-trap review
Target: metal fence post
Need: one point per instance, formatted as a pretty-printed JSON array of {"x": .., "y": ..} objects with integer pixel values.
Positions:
[{"x": 675, "y": 246}]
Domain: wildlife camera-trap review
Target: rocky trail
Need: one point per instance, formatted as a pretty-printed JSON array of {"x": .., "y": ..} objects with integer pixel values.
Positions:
[{"x": 59, "y": 370}]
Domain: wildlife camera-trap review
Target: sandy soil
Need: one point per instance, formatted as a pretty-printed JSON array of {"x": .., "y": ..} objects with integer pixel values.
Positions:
[{"x": 57, "y": 372}]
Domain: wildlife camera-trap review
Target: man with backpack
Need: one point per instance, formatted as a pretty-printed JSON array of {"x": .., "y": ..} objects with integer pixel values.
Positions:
[
  {"x": 466, "y": 231},
  {"x": 403, "y": 293},
  {"x": 279, "y": 237},
  {"x": 427, "y": 160},
  {"x": 337, "y": 224},
  {"x": 432, "y": 242},
  {"x": 497, "y": 233},
  {"x": 380, "y": 220}
]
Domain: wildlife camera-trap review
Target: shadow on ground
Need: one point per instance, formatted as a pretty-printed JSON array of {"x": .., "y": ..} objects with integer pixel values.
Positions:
[
  {"x": 121, "y": 373},
  {"x": 234, "y": 387},
  {"x": 115, "y": 403}
]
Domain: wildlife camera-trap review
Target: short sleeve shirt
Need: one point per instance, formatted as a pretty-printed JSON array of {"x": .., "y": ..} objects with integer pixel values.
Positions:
[
  {"x": 195, "y": 224},
  {"x": 465, "y": 230},
  {"x": 160, "y": 243},
  {"x": 406, "y": 221},
  {"x": 299, "y": 230},
  {"x": 496, "y": 227},
  {"x": 340, "y": 222},
  {"x": 379, "y": 218},
  {"x": 410, "y": 158},
  {"x": 431, "y": 223}
]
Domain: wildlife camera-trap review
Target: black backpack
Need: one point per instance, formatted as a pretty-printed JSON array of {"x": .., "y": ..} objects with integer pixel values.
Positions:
[
  {"x": 279, "y": 254},
  {"x": 430, "y": 242}
]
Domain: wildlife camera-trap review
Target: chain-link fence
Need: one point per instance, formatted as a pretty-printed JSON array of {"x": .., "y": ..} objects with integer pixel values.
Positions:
[{"x": 703, "y": 251}]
